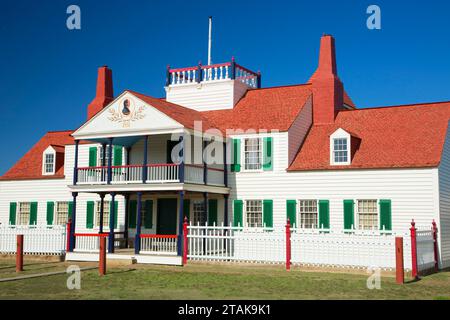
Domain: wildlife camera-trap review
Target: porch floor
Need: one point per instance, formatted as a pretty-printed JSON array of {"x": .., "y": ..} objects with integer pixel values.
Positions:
[{"x": 126, "y": 256}]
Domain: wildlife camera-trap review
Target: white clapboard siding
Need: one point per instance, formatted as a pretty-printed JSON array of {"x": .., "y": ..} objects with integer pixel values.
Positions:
[{"x": 444, "y": 203}]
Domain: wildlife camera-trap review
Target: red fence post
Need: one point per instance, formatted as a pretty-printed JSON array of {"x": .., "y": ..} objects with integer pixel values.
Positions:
[
  {"x": 102, "y": 258},
  {"x": 185, "y": 241},
  {"x": 19, "y": 254},
  {"x": 414, "y": 250},
  {"x": 288, "y": 245},
  {"x": 399, "y": 264},
  {"x": 69, "y": 227},
  {"x": 435, "y": 243}
]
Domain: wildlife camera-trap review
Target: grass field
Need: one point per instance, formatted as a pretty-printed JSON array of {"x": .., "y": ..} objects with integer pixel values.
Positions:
[{"x": 197, "y": 281}]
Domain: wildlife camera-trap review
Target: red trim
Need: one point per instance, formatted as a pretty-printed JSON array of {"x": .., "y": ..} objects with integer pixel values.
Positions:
[
  {"x": 69, "y": 224},
  {"x": 182, "y": 69},
  {"x": 102, "y": 258},
  {"x": 399, "y": 263},
  {"x": 216, "y": 169},
  {"x": 19, "y": 253},
  {"x": 91, "y": 234},
  {"x": 288, "y": 245},
  {"x": 185, "y": 241},
  {"x": 92, "y": 168},
  {"x": 131, "y": 166},
  {"x": 414, "y": 250},
  {"x": 435, "y": 243},
  {"x": 245, "y": 69},
  {"x": 163, "y": 236},
  {"x": 218, "y": 65}
]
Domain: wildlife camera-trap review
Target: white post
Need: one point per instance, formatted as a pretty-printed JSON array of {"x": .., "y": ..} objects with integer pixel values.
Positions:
[{"x": 209, "y": 41}]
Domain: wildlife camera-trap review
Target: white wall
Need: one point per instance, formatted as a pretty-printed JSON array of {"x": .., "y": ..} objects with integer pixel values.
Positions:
[{"x": 444, "y": 202}]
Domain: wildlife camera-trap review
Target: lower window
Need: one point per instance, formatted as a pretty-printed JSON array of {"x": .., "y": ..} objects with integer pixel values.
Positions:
[
  {"x": 308, "y": 214},
  {"x": 254, "y": 213},
  {"x": 106, "y": 208},
  {"x": 24, "y": 213},
  {"x": 62, "y": 213},
  {"x": 199, "y": 217},
  {"x": 367, "y": 215}
]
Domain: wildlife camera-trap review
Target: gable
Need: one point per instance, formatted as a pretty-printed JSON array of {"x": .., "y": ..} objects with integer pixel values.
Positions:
[{"x": 125, "y": 116}]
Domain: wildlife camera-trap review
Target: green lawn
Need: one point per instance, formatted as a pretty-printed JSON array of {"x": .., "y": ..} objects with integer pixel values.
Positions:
[{"x": 196, "y": 281}]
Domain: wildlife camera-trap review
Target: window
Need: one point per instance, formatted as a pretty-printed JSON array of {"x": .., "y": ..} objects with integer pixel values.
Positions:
[
  {"x": 254, "y": 213},
  {"x": 308, "y": 214},
  {"x": 24, "y": 213},
  {"x": 62, "y": 213},
  {"x": 48, "y": 163},
  {"x": 252, "y": 154},
  {"x": 340, "y": 150},
  {"x": 106, "y": 208},
  {"x": 100, "y": 155},
  {"x": 199, "y": 217},
  {"x": 367, "y": 215}
]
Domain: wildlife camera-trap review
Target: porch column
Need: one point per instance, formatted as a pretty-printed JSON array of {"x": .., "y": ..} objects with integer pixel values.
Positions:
[
  {"x": 225, "y": 165},
  {"x": 205, "y": 167},
  {"x": 182, "y": 163},
  {"x": 74, "y": 221},
  {"x": 75, "y": 167},
  {"x": 110, "y": 160},
  {"x": 111, "y": 223},
  {"x": 205, "y": 212},
  {"x": 225, "y": 210},
  {"x": 137, "y": 239},
  {"x": 102, "y": 210},
  {"x": 103, "y": 164},
  {"x": 144, "y": 163},
  {"x": 127, "y": 214},
  {"x": 180, "y": 223}
]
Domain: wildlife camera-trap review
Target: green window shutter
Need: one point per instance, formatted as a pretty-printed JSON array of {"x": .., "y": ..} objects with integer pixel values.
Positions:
[
  {"x": 268, "y": 213},
  {"x": 70, "y": 209},
  {"x": 12, "y": 213},
  {"x": 349, "y": 210},
  {"x": 50, "y": 212},
  {"x": 212, "y": 212},
  {"x": 90, "y": 215},
  {"x": 291, "y": 212},
  {"x": 117, "y": 156},
  {"x": 132, "y": 214},
  {"x": 237, "y": 213},
  {"x": 385, "y": 215},
  {"x": 236, "y": 165},
  {"x": 33, "y": 213},
  {"x": 116, "y": 209},
  {"x": 268, "y": 154},
  {"x": 92, "y": 156},
  {"x": 148, "y": 219},
  {"x": 324, "y": 214},
  {"x": 187, "y": 209}
]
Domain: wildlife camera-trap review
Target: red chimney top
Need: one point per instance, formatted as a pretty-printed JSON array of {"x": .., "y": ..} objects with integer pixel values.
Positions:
[
  {"x": 328, "y": 90},
  {"x": 104, "y": 94}
]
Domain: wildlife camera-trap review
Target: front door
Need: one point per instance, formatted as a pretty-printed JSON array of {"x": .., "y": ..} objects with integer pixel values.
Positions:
[{"x": 167, "y": 216}]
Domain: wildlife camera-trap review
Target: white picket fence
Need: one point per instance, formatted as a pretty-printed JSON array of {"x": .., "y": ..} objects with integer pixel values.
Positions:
[
  {"x": 158, "y": 244},
  {"x": 425, "y": 249},
  {"x": 38, "y": 240},
  {"x": 310, "y": 247}
]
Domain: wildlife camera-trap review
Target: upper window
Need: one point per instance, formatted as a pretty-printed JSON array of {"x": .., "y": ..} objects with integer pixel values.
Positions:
[
  {"x": 254, "y": 213},
  {"x": 367, "y": 215},
  {"x": 100, "y": 155},
  {"x": 340, "y": 148},
  {"x": 308, "y": 214},
  {"x": 252, "y": 154},
  {"x": 48, "y": 163}
]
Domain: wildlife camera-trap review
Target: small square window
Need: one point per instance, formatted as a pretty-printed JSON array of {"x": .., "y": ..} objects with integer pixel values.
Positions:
[{"x": 340, "y": 150}]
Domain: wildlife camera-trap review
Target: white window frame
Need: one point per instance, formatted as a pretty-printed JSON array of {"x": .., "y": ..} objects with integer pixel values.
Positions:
[
  {"x": 340, "y": 134},
  {"x": 357, "y": 215},
  {"x": 242, "y": 138},
  {"x": 201, "y": 212},
  {"x": 48, "y": 151},
  {"x": 59, "y": 213},
  {"x": 100, "y": 155},
  {"x": 21, "y": 212},
  {"x": 106, "y": 214},
  {"x": 261, "y": 154},
  {"x": 245, "y": 209},
  {"x": 299, "y": 214}
]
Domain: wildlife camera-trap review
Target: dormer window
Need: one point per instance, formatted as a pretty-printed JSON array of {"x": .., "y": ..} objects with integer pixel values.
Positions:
[
  {"x": 48, "y": 162},
  {"x": 340, "y": 142}
]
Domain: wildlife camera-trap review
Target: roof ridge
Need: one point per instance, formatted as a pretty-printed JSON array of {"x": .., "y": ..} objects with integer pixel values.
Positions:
[
  {"x": 400, "y": 106},
  {"x": 280, "y": 86}
]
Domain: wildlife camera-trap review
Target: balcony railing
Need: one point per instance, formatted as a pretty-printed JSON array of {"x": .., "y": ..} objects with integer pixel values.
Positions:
[
  {"x": 216, "y": 72},
  {"x": 155, "y": 173}
]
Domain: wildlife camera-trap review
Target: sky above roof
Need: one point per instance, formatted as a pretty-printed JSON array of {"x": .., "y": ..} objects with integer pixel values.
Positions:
[{"x": 48, "y": 73}]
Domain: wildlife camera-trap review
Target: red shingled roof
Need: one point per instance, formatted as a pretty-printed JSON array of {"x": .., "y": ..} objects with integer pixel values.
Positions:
[
  {"x": 391, "y": 137},
  {"x": 270, "y": 108},
  {"x": 30, "y": 165}
]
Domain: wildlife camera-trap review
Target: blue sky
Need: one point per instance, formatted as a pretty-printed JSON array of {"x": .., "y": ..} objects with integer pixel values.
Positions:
[{"x": 48, "y": 73}]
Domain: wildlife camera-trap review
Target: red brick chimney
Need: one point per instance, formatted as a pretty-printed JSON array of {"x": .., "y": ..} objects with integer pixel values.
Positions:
[
  {"x": 328, "y": 90},
  {"x": 104, "y": 94}
]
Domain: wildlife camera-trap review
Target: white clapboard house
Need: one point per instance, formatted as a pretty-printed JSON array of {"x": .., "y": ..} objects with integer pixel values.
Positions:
[{"x": 302, "y": 152}]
